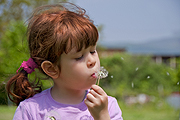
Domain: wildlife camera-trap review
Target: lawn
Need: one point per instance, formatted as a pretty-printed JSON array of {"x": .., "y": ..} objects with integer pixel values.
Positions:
[
  {"x": 6, "y": 113},
  {"x": 149, "y": 112},
  {"x": 134, "y": 112}
]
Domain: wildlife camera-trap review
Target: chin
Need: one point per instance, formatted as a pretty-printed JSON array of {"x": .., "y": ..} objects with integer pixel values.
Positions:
[{"x": 87, "y": 88}]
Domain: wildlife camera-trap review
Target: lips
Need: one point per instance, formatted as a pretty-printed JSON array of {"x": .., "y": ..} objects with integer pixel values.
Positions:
[{"x": 94, "y": 75}]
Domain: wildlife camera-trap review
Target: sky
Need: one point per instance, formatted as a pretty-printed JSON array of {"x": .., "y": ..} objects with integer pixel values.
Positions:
[{"x": 134, "y": 21}]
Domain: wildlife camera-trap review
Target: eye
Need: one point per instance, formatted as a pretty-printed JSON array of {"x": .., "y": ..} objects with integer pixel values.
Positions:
[
  {"x": 79, "y": 58},
  {"x": 93, "y": 52}
]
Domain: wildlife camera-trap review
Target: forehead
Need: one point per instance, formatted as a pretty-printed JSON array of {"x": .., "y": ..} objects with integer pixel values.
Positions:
[{"x": 74, "y": 49}]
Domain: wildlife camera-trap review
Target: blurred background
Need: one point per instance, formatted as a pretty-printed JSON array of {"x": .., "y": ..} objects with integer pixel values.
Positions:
[{"x": 139, "y": 45}]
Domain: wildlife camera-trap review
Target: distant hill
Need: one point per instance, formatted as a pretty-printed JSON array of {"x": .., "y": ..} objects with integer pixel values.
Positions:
[{"x": 166, "y": 47}]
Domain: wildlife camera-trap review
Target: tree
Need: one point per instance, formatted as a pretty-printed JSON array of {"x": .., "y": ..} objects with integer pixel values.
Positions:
[
  {"x": 12, "y": 50},
  {"x": 18, "y": 10}
]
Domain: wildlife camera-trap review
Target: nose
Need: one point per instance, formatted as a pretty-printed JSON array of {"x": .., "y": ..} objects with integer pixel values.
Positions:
[{"x": 91, "y": 61}]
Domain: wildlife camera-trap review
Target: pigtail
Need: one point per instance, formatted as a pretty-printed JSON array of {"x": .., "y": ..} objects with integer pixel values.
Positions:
[{"x": 19, "y": 87}]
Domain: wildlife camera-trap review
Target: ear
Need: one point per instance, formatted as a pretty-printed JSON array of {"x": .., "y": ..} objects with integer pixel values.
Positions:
[{"x": 50, "y": 69}]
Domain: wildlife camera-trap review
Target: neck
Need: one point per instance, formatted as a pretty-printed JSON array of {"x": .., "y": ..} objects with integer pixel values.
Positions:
[{"x": 67, "y": 96}]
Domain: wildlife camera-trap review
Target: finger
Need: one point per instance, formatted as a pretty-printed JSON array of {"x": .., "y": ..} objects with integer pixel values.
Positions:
[
  {"x": 90, "y": 97},
  {"x": 88, "y": 103},
  {"x": 98, "y": 90},
  {"x": 95, "y": 94}
]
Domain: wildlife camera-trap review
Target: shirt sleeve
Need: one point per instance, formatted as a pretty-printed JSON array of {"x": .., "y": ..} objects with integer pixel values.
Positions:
[
  {"x": 114, "y": 109},
  {"x": 22, "y": 113}
]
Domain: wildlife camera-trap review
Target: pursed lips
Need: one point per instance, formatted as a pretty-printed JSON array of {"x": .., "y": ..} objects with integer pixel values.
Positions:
[{"x": 94, "y": 75}]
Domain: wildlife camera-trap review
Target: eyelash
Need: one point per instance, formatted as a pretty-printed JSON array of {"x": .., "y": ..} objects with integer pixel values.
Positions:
[
  {"x": 79, "y": 58},
  {"x": 93, "y": 52}
]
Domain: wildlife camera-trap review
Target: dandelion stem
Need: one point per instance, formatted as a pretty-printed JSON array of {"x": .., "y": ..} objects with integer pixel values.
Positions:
[{"x": 98, "y": 80}]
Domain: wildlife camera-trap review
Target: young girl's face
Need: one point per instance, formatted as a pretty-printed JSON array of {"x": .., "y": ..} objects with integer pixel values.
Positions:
[{"x": 78, "y": 68}]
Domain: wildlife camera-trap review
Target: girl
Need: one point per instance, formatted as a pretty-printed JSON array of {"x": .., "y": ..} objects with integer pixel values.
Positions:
[{"x": 62, "y": 44}]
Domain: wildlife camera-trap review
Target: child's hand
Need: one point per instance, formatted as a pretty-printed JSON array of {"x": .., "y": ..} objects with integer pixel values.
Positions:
[{"x": 97, "y": 103}]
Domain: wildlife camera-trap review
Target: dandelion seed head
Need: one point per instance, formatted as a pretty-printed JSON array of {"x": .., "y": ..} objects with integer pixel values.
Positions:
[{"x": 103, "y": 73}]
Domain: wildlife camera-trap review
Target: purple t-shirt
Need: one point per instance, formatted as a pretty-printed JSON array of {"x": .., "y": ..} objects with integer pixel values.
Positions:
[{"x": 43, "y": 107}]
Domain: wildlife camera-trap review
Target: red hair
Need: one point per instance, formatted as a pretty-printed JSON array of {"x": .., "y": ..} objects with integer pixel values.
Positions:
[{"x": 52, "y": 30}]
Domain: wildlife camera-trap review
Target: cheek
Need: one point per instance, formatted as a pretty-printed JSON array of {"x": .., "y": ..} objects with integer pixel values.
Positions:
[
  {"x": 66, "y": 67},
  {"x": 75, "y": 67},
  {"x": 98, "y": 61}
]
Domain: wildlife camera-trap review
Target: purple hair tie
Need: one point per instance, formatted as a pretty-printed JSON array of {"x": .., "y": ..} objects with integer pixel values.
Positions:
[{"x": 28, "y": 66}]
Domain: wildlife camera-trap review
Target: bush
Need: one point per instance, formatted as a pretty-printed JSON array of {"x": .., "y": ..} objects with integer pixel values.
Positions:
[
  {"x": 3, "y": 96},
  {"x": 131, "y": 75},
  {"x": 13, "y": 51}
]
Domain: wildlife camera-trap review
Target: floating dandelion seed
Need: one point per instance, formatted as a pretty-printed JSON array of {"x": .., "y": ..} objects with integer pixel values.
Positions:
[
  {"x": 148, "y": 77},
  {"x": 3, "y": 82},
  {"x": 122, "y": 58},
  {"x": 103, "y": 73},
  {"x": 177, "y": 83},
  {"x": 167, "y": 73},
  {"x": 137, "y": 69},
  {"x": 132, "y": 84},
  {"x": 112, "y": 76}
]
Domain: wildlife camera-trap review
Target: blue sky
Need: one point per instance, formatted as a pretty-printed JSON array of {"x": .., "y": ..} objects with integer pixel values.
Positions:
[{"x": 134, "y": 21}]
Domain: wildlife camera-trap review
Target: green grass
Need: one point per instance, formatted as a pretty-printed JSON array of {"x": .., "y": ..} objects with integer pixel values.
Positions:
[
  {"x": 160, "y": 111},
  {"x": 6, "y": 113},
  {"x": 149, "y": 112}
]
